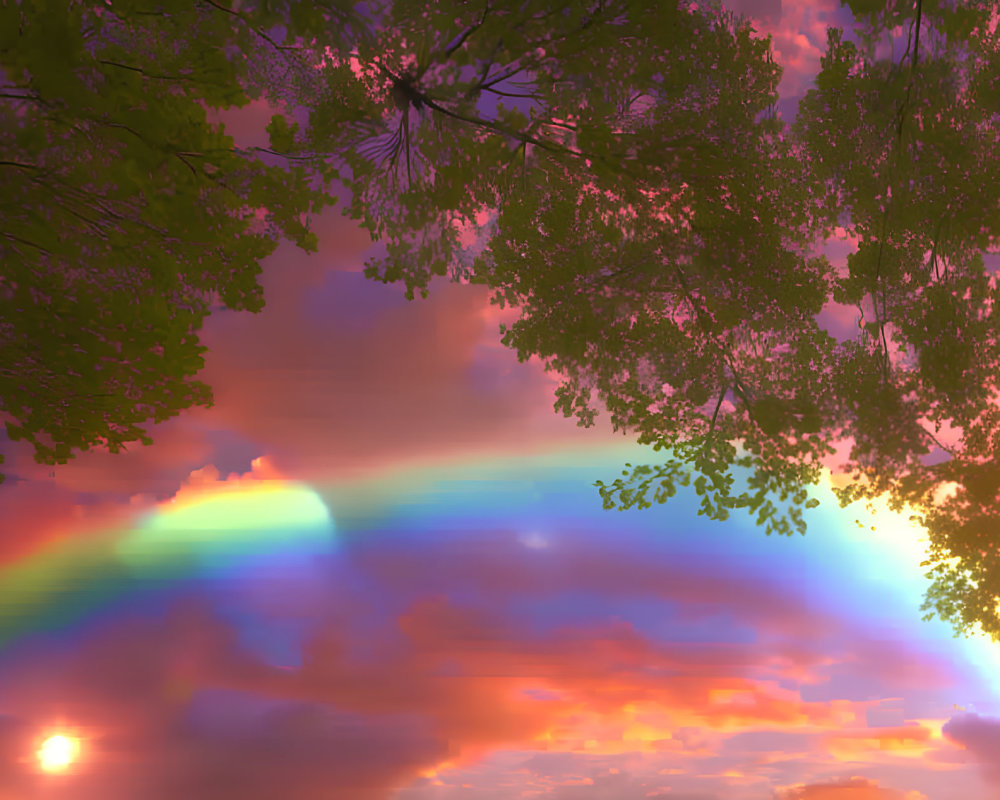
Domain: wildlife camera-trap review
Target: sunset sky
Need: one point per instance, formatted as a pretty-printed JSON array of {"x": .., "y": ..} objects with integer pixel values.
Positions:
[{"x": 377, "y": 569}]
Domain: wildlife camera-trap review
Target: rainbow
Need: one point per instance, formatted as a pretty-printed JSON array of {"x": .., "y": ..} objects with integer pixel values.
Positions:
[{"x": 206, "y": 531}]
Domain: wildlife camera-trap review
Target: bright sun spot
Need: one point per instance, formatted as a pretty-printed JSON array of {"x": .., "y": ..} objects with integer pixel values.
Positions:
[{"x": 57, "y": 753}]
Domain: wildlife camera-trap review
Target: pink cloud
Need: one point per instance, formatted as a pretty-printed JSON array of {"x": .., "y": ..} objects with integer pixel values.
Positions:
[
  {"x": 980, "y": 736},
  {"x": 38, "y": 516},
  {"x": 44, "y": 516},
  {"x": 798, "y": 32},
  {"x": 33, "y": 513},
  {"x": 404, "y": 387},
  {"x": 177, "y": 448},
  {"x": 324, "y": 398}
]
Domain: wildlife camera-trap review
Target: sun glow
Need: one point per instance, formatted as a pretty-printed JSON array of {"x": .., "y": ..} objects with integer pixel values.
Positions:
[{"x": 58, "y": 752}]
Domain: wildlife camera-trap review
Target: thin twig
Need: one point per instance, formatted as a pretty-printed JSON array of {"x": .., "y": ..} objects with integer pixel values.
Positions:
[{"x": 242, "y": 17}]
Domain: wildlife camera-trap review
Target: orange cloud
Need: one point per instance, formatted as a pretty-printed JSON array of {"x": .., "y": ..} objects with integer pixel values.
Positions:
[
  {"x": 848, "y": 789},
  {"x": 486, "y": 686},
  {"x": 911, "y": 741},
  {"x": 207, "y": 480}
]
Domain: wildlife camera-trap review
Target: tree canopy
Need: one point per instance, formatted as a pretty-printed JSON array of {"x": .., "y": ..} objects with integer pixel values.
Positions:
[
  {"x": 652, "y": 221},
  {"x": 903, "y": 149},
  {"x": 636, "y": 198},
  {"x": 126, "y": 212}
]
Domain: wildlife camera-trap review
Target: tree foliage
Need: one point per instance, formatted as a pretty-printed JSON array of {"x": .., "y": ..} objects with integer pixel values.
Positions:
[
  {"x": 652, "y": 221},
  {"x": 902, "y": 148},
  {"x": 126, "y": 211}
]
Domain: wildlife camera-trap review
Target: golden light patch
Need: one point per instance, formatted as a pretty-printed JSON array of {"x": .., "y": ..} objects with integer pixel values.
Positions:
[
  {"x": 913, "y": 741},
  {"x": 58, "y": 752},
  {"x": 431, "y": 773},
  {"x": 933, "y": 727},
  {"x": 890, "y": 537}
]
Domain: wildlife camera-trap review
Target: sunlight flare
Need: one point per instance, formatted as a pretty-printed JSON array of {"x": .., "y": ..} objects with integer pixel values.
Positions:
[{"x": 58, "y": 752}]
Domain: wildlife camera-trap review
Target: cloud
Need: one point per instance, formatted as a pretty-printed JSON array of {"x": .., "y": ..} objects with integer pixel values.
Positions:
[
  {"x": 33, "y": 514},
  {"x": 847, "y": 789},
  {"x": 46, "y": 524},
  {"x": 177, "y": 448},
  {"x": 416, "y": 662},
  {"x": 802, "y": 643},
  {"x": 100, "y": 492},
  {"x": 445, "y": 660},
  {"x": 980, "y": 736},
  {"x": 798, "y": 32},
  {"x": 614, "y": 784},
  {"x": 298, "y": 750},
  {"x": 141, "y": 693},
  {"x": 872, "y": 744},
  {"x": 769, "y": 10},
  {"x": 41, "y": 519},
  {"x": 340, "y": 374},
  {"x": 208, "y": 481}
]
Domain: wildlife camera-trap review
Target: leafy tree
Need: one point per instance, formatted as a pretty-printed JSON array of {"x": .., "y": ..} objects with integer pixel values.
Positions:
[
  {"x": 650, "y": 217},
  {"x": 125, "y": 211},
  {"x": 651, "y": 220},
  {"x": 899, "y": 149}
]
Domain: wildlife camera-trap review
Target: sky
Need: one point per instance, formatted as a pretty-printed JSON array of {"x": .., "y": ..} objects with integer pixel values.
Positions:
[{"x": 378, "y": 569}]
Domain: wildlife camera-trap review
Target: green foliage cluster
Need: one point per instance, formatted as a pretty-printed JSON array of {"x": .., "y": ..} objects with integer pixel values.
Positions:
[{"x": 126, "y": 212}]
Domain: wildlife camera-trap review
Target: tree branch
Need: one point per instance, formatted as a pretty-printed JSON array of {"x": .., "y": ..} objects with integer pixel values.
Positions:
[
  {"x": 143, "y": 72},
  {"x": 510, "y": 94},
  {"x": 934, "y": 439},
  {"x": 14, "y": 238},
  {"x": 525, "y": 137},
  {"x": 706, "y": 327},
  {"x": 715, "y": 414},
  {"x": 466, "y": 34},
  {"x": 243, "y": 18}
]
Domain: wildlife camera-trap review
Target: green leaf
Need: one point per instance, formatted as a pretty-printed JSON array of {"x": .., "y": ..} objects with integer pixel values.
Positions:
[{"x": 281, "y": 134}]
